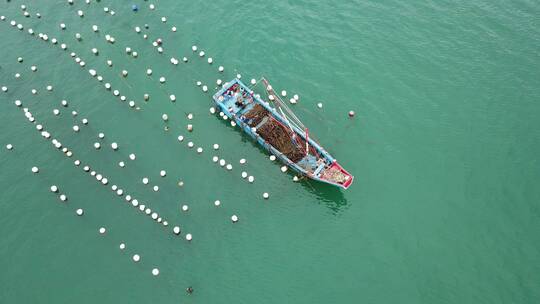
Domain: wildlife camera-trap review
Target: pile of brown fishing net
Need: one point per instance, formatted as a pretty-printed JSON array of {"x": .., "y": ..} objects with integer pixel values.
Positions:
[{"x": 275, "y": 134}]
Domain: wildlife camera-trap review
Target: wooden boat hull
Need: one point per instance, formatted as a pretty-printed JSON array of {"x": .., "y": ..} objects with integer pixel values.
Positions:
[{"x": 226, "y": 104}]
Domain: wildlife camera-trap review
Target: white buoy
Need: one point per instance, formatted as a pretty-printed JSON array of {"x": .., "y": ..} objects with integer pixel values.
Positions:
[
  {"x": 234, "y": 218},
  {"x": 180, "y": 138},
  {"x": 54, "y": 189},
  {"x": 194, "y": 48},
  {"x": 253, "y": 81},
  {"x": 242, "y": 161},
  {"x": 62, "y": 26},
  {"x": 162, "y": 173},
  {"x": 149, "y": 72},
  {"x": 189, "y": 237},
  {"x": 9, "y": 146},
  {"x": 33, "y": 68},
  {"x": 163, "y": 19},
  {"x": 35, "y": 169},
  {"x": 217, "y": 203},
  {"x": 190, "y": 127},
  {"x": 97, "y": 145},
  {"x": 132, "y": 156},
  {"x": 229, "y": 167},
  {"x": 272, "y": 157},
  {"x": 79, "y": 212},
  {"x": 212, "y": 110},
  {"x": 165, "y": 117},
  {"x": 185, "y": 59},
  {"x": 266, "y": 195},
  {"x": 136, "y": 258},
  {"x": 80, "y": 13},
  {"x": 176, "y": 230},
  {"x": 244, "y": 174},
  {"x": 215, "y": 159},
  {"x": 124, "y": 73},
  {"x": 199, "y": 150},
  {"x": 155, "y": 272},
  {"x": 102, "y": 230},
  {"x": 201, "y": 54},
  {"x": 190, "y": 116},
  {"x": 162, "y": 79},
  {"x": 121, "y": 164},
  {"x": 122, "y": 246},
  {"x": 222, "y": 162},
  {"x": 114, "y": 146},
  {"x": 284, "y": 169},
  {"x": 210, "y": 60},
  {"x": 185, "y": 208},
  {"x": 145, "y": 180},
  {"x": 156, "y": 188},
  {"x": 101, "y": 135},
  {"x": 63, "y": 197},
  {"x": 320, "y": 105},
  {"x": 205, "y": 88},
  {"x": 172, "y": 97},
  {"x": 283, "y": 93},
  {"x": 95, "y": 28},
  {"x": 251, "y": 179},
  {"x": 173, "y": 28},
  {"x": 64, "y": 103}
]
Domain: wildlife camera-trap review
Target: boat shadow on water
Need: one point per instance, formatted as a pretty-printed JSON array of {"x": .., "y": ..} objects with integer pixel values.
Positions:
[{"x": 329, "y": 195}]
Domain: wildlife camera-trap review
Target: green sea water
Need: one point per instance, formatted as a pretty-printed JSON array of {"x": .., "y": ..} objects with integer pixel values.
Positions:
[{"x": 444, "y": 146}]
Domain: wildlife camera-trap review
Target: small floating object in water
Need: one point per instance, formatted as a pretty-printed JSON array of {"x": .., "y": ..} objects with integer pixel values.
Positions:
[
  {"x": 244, "y": 174},
  {"x": 234, "y": 218},
  {"x": 4, "y": 89},
  {"x": 185, "y": 59},
  {"x": 95, "y": 51},
  {"x": 80, "y": 13},
  {"x": 180, "y": 138},
  {"x": 185, "y": 208},
  {"x": 295, "y": 178},
  {"x": 221, "y": 68},
  {"x": 229, "y": 167},
  {"x": 283, "y": 93},
  {"x": 63, "y": 197},
  {"x": 95, "y": 28},
  {"x": 172, "y": 97},
  {"x": 216, "y": 146},
  {"x": 205, "y": 88},
  {"x": 217, "y": 203},
  {"x": 190, "y": 128},
  {"x": 253, "y": 81},
  {"x": 78, "y": 36},
  {"x": 180, "y": 184},
  {"x": 136, "y": 258},
  {"x": 121, "y": 164},
  {"x": 124, "y": 73},
  {"x": 176, "y": 230},
  {"x": 165, "y": 117},
  {"x": 238, "y": 76},
  {"x": 190, "y": 116},
  {"x": 155, "y": 272},
  {"x": 49, "y": 88},
  {"x": 132, "y": 156},
  {"x": 242, "y": 161},
  {"x": 76, "y": 128},
  {"x": 173, "y": 29},
  {"x": 189, "y": 237},
  {"x": 79, "y": 212},
  {"x": 284, "y": 169},
  {"x": 109, "y": 63},
  {"x": 266, "y": 195},
  {"x": 351, "y": 113},
  {"x": 210, "y": 60},
  {"x": 101, "y": 135},
  {"x": 33, "y": 68},
  {"x": 97, "y": 145},
  {"x": 102, "y": 230},
  {"x": 251, "y": 179},
  {"x": 320, "y": 105},
  {"x": 199, "y": 150},
  {"x": 212, "y": 110},
  {"x": 114, "y": 146},
  {"x": 215, "y": 159},
  {"x": 146, "y": 97},
  {"x": 201, "y": 54},
  {"x": 296, "y": 97},
  {"x": 272, "y": 157},
  {"x": 162, "y": 79},
  {"x": 145, "y": 180},
  {"x": 163, "y": 19},
  {"x": 122, "y": 246},
  {"x": 162, "y": 173},
  {"x": 134, "y": 7},
  {"x": 194, "y": 48},
  {"x": 20, "y": 59},
  {"x": 35, "y": 169},
  {"x": 54, "y": 189},
  {"x": 156, "y": 188},
  {"x": 62, "y": 26},
  {"x": 219, "y": 82}
]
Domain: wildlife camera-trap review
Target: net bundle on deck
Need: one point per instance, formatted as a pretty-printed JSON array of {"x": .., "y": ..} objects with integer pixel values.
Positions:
[{"x": 275, "y": 133}]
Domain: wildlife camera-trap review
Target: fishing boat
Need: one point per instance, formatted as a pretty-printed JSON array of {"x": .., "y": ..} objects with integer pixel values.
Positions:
[{"x": 277, "y": 129}]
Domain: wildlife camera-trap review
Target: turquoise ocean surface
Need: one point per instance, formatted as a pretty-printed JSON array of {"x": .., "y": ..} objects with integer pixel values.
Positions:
[{"x": 444, "y": 147}]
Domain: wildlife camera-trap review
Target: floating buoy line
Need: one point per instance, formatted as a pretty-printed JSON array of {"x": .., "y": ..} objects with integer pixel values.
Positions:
[{"x": 100, "y": 177}]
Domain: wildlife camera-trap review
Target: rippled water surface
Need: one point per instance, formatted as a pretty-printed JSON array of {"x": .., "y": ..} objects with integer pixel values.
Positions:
[{"x": 444, "y": 148}]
